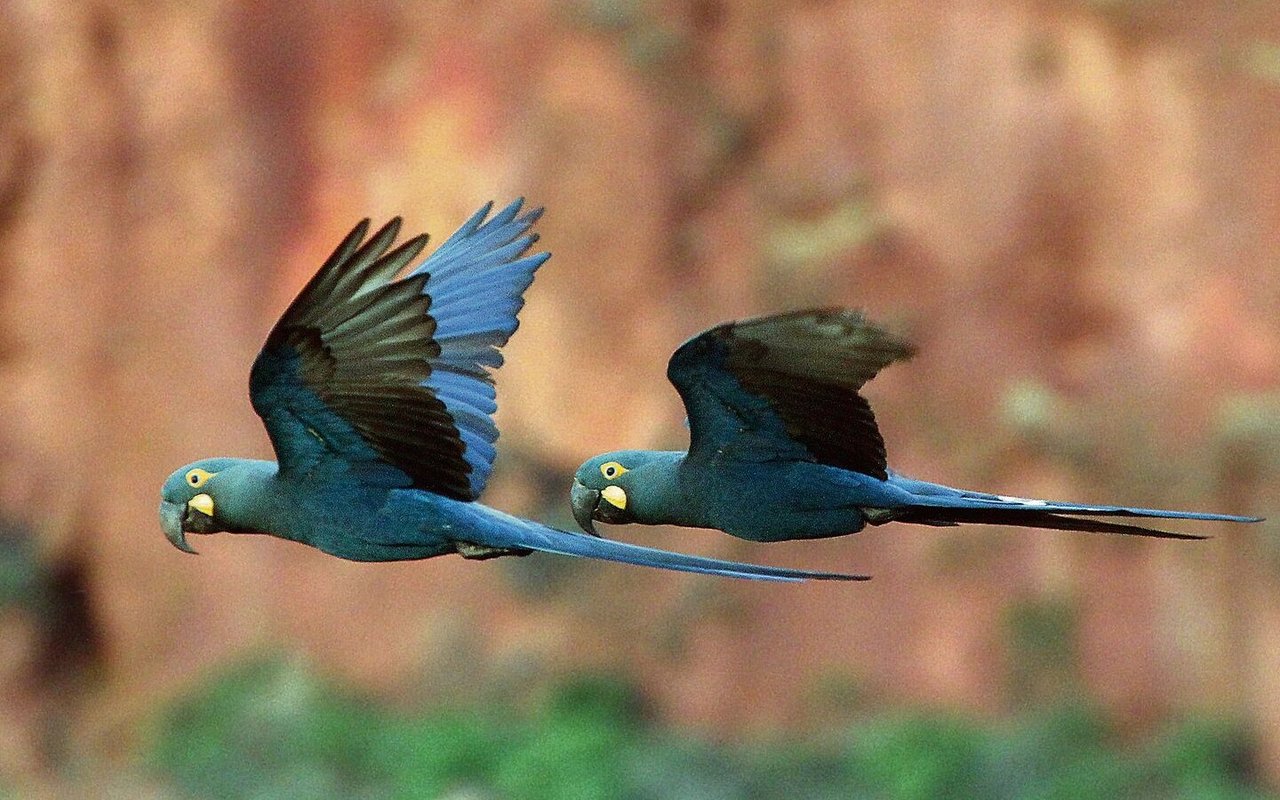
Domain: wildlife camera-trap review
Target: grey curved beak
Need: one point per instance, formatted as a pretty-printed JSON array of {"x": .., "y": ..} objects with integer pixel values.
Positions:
[
  {"x": 171, "y": 517},
  {"x": 584, "y": 502}
]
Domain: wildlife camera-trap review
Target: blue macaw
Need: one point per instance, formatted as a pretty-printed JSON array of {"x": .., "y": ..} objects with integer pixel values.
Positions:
[
  {"x": 377, "y": 395},
  {"x": 782, "y": 446}
]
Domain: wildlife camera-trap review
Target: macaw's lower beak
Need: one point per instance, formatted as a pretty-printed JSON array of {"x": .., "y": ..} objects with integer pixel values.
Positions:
[
  {"x": 177, "y": 520},
  {"x": 171, "y": 515},
  {"x": 584, "y": 502}
]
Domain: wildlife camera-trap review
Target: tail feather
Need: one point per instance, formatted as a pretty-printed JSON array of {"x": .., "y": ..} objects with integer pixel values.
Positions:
[
  {"x": 552, "y": 540},
  {"x": 1031, "y": 519},
  {"x": 935, "y": 504}
]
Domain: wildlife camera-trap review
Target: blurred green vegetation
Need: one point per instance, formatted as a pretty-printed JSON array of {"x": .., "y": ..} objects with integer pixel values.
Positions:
[
  {"x": 23, "y": 579},
  {"x": 271, "y": 730},
  {"x": 1041, "y": 634}
]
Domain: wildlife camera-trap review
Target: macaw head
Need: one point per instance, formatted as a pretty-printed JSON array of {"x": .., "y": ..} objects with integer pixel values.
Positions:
[
  {"x": 195, "y": 498},
  {"x": 621, "y": 487}
]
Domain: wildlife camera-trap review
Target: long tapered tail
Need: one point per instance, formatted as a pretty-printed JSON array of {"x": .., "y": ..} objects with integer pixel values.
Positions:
[
  {"x": 943, "y": 505},
  {"x": 534, "y": 536},
  {"x": 1033, "y": 519}
]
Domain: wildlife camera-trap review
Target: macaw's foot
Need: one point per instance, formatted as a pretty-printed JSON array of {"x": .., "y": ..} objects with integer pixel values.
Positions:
[
  {"x": 480, "y": 552},
  {"x": 879, "y": 516}
]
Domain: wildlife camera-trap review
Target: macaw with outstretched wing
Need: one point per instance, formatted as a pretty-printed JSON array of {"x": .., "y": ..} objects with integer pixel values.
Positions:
[{"x": 782, "y": 446}]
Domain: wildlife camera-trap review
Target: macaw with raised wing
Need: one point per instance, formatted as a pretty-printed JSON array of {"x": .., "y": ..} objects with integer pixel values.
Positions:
[
  {"x": 377, "y": 395},
  {"x": 782, "y": 446}
]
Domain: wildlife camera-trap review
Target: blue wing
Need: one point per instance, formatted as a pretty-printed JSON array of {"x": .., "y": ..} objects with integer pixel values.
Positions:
[
  {"x": 478, "y": 278},
  {"x": 786, "y": 387},
  {"x": 392, "y": 375}
]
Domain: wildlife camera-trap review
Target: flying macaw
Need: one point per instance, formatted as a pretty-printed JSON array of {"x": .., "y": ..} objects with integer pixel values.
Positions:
[
  {"x": 783, "y": 447},
  {"x": 377, "y": 395}
]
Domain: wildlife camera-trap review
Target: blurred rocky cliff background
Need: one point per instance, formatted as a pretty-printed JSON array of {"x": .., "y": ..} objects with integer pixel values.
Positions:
[{"x": 1072, "y": 206}]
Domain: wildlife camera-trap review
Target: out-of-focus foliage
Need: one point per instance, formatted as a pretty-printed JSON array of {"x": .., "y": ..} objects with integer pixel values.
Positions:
[
  {"x": 1042, "y": 660},
  {"x": 22, "y": 579},
  {"x": 273, "y": 731}
]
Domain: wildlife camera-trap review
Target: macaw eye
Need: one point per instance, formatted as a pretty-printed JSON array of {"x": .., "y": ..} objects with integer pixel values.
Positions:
[
  {"x": 612, "y": 470},
  {"x": 197, "y": 477}
]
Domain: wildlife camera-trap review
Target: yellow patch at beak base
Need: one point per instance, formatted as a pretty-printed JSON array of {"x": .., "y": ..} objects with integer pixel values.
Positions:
[
  {"x": 202, "y": 503},
  {"x": 615, "y": 495}
]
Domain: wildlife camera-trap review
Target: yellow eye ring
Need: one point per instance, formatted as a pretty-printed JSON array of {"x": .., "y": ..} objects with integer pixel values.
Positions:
[
  {"x": 197, "y": 477},
  {"x": 612, "y": 469}
]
